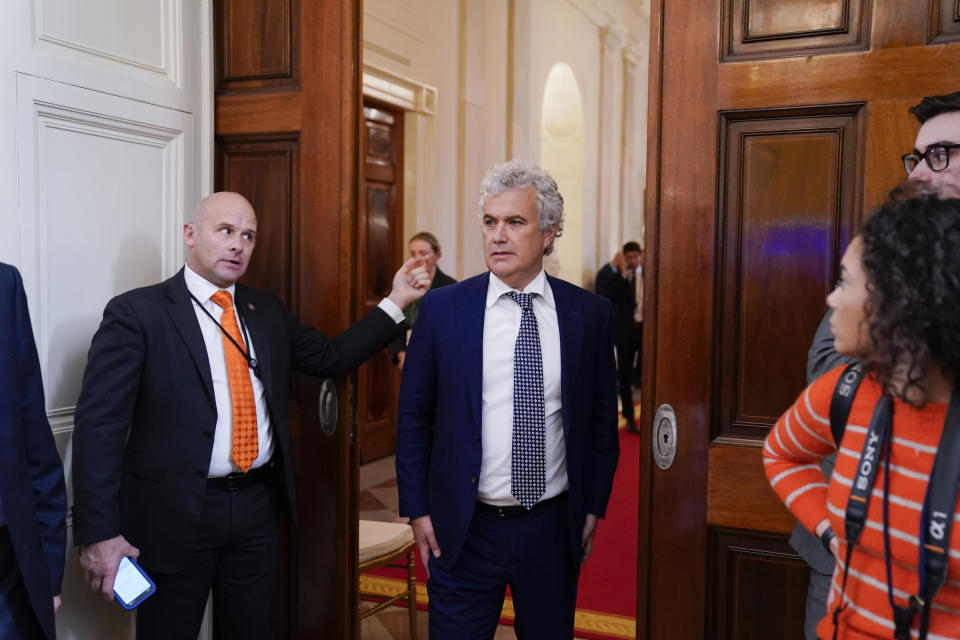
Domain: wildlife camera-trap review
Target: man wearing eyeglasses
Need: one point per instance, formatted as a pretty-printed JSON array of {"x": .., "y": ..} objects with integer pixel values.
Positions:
[{"x": 933, "y": 169}]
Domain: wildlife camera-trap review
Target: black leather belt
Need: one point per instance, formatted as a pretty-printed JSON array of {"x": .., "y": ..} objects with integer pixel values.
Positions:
[
  {"x": 517, "y": 511},
  {"x": 239, "y": 480}
]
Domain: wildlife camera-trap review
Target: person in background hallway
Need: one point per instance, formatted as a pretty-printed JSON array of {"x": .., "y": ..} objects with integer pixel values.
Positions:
[
  {"x": 423, "y": 246},
  {"x": 933, "y": 168},
  {"x": 896, "y": 309},
  {"x": 507, "y": 431},
  {"x": 621, "y": 282},
  {"x": 182, "y": 442},
  {"x": 33, "y": 496}
]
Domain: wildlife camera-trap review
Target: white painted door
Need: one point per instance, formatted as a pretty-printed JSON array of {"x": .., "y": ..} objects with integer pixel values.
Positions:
[{"x": 105, "y": 147}]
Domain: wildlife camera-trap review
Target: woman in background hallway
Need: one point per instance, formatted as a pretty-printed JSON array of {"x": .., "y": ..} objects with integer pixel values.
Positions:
[{"x": 423, "y": 246}]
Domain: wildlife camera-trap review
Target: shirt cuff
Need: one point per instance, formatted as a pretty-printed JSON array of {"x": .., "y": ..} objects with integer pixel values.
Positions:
[{"x": 391, "y": 309}]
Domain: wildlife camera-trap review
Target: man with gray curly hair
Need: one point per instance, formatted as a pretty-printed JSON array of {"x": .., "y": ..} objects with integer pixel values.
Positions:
[
  {"x": 518, "y": 174},
  {"x": 507, "y": 431}
]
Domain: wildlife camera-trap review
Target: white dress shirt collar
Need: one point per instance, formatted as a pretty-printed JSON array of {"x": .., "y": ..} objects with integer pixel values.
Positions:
[
  {"x": 498, "y": 288},
  {"x": 200, "y": 287}
]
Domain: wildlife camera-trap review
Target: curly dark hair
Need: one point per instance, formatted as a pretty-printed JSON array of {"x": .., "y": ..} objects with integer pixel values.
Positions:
[{"x": 911, "y": 256}]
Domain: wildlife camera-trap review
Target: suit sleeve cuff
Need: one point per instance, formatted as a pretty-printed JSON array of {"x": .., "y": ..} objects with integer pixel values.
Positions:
[{"x": 391, "y": 309}]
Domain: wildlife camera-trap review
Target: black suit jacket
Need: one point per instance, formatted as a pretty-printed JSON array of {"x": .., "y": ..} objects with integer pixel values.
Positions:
[
  {"x": 146, "y": 415},
  {"x": 32, "y": 490},
  {"x": 622, "y": 295}
]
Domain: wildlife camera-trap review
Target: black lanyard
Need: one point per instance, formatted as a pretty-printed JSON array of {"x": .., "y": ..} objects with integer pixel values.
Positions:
[
  {"x": 251, "y": 361},
  {"x": 936, "y": 517}
]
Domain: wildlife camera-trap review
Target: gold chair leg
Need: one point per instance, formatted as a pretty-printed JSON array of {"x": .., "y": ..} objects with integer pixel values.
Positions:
[{"x": 412, "y": 593}]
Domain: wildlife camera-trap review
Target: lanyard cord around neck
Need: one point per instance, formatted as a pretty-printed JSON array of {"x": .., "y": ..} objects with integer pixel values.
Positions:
[
  {"x": 936, "y": 517},
  {"x": 251, "y": 361}
]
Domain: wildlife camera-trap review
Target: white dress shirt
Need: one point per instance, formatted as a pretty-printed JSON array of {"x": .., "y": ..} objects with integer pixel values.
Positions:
[
  {"x": 221, "y": 463},
  {"x": 501, "y": 325}
]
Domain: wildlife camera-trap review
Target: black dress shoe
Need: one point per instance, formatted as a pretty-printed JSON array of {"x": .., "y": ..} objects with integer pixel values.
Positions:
[{"x": 632, "y": 426}]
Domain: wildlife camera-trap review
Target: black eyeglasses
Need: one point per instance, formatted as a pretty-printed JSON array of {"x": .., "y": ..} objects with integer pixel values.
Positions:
[{"x": 937, "y": 157}]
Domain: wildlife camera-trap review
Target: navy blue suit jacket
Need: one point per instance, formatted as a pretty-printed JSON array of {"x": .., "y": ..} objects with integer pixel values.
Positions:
[
  {"x": 439, "y": 445},
  {"x": 147, "y": 413},
  {"x": 31, "y": 475}
]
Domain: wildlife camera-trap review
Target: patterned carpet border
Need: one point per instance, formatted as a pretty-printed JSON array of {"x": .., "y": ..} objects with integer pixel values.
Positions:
[{"x": 588, "y": 624}]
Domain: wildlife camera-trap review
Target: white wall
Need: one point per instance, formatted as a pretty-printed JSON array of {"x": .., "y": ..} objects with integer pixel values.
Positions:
[
  {"x": 105, "y": 145},
  {"x": 489, "y": 92},
  {"x": 418, "y": 40}
]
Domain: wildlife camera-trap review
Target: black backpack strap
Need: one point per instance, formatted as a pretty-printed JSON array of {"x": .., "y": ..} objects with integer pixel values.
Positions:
[{"x": 842, "y": 399}]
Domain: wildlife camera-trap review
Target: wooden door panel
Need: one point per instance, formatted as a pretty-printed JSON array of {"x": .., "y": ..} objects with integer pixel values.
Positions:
[
  {"x": 286, "y": 114},
  {"x": 789, "y": 181},
  {"x": 738, "y": 495},
  {"x": 381, "y": 252},
  {"x": 752, "y": 574},
  {"x": 256, "y": 44},
  {"x": 758, "y": 29},
  {"x": 378, "y": 235},
  {"x": 775, "y": 126},
  {"x": 264, "y": 169},
  {"x": 944, "y": 21}
]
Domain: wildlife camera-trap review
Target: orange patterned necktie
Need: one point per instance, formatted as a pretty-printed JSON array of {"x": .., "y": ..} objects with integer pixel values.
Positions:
[{"x": 244, "y": 447}]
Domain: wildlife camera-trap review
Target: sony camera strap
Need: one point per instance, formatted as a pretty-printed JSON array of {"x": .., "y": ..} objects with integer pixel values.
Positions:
[
  {"x": 866, "y": 474},
  {"x": 251, "y": 361},
  {"x": 842, "y": 399},
  {"x": 936, "y": 517},
  {"x": 938, "y": 510}
]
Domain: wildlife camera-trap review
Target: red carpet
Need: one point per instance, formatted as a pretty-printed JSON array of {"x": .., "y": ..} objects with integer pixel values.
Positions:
[
  {"x": 606, "y": 599},
  {"x": 608, "y": 582}
]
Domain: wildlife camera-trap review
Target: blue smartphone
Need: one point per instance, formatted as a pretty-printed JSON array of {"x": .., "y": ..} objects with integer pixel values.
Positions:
[{"x": 132, "y": 585}]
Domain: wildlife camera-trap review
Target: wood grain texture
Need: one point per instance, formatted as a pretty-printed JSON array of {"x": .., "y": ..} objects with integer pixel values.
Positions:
[
  {"x": 691, "y": 91},
  {"x": 789, "y": 180},
  {"x": 258, "y": 113},
  {"x": 319, "y": 108},
  {"x": 256, "y": 44},
  {"x": 648, "y": 392},
  {"x": 752, "y": 574},
  {"x": 264, "y": 170},
  {"x": 758, "y": 29},
  {"x": 738, "y": 494},
  {"x": 381, "y": 251}
]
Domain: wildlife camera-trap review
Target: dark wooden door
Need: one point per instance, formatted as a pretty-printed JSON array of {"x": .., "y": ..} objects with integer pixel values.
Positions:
[
  {"x": 380, "y": 240},
  {"x": 775, "y": 126},
  {"x": 286, "y": 119}
]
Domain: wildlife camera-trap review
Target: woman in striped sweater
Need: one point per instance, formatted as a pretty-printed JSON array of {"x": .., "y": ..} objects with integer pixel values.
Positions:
[{"x": 896, "y": 309}]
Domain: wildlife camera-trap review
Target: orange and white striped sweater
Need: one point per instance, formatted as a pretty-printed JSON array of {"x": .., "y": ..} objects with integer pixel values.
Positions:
[{"x": 791, "y": 456}]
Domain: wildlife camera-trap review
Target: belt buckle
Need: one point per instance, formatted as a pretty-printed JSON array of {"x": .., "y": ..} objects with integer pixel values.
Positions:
[{"x": 235, "y": 483}]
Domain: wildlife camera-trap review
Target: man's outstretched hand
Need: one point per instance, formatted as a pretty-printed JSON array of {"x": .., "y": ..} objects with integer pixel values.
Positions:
[{"x": 409, "y": 283}]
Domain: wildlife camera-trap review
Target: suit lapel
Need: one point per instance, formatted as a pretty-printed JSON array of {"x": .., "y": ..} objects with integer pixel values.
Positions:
[
  {"x": 253, "y": 316},
  {"x": 180, "y": 307},
  {"x": 471, "y": 309},
  {"x": 570, "y": 321}
]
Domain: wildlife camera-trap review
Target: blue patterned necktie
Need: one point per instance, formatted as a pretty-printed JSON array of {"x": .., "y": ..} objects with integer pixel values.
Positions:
[{"x": 528, "y": 464}]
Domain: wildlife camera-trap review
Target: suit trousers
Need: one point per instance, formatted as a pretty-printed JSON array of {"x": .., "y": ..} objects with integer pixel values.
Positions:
[
  {"x": 529, "y": 553},
  {"x": 236, "y": 553},
  {"x": 628, "y": 367},
  {"x": 17, "y": 619}
]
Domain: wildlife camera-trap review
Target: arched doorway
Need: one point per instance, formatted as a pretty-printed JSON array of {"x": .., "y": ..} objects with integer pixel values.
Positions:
[{"x": 561, "y": 154}]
